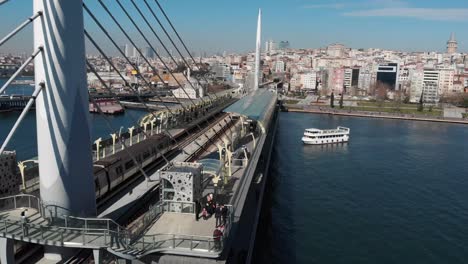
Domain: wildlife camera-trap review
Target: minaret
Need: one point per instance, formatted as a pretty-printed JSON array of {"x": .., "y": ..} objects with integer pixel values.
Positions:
[
  {"x": 452, "y": 44},
  {"x": 258, "y": 50}
]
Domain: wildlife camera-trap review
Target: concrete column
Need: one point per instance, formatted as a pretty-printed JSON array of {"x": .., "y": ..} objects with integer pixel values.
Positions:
[
  {"x": 7, "y": 253},
  {"x": 62, "y": 114},
  {"x": 97, "y": 254}
]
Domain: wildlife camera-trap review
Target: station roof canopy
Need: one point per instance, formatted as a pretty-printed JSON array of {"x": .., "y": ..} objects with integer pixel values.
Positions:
[
  {"x": 212, "y": 166},
  {"x": 258, "y": 105}
]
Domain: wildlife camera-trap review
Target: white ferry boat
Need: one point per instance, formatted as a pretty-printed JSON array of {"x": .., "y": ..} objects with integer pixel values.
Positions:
[{"x": 314, "y": 136}]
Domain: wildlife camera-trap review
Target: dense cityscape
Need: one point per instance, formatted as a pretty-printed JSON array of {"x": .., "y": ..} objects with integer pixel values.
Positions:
[
  {"x": 432, "y": 77},
  {"x": 170, "y": 151}
]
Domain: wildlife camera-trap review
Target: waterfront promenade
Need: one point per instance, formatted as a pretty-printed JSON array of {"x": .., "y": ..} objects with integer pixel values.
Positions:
[{"x": 344, "y": 112}]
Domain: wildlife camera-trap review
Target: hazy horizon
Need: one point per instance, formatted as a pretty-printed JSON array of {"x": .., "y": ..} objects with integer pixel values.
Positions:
[{"x": 216, "y": 26}]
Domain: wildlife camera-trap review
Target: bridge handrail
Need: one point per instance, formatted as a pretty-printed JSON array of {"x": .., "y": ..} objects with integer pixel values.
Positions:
[
  {"x": 151, "y": 240},
  {"x": 88, "y": 235},
  {"x": 41, "y": 208}
]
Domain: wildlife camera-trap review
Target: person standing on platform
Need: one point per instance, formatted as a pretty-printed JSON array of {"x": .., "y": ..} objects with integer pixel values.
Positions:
[
  {"x": 218, "y": 215},
  {"x": 224, "y": 214},
  {"x": 217, "y": 235},
  {"x": 24, "y": 223}
]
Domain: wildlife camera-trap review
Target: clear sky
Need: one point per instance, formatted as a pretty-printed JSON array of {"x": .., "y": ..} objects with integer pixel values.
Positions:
[{"x": 221, "y": 25}]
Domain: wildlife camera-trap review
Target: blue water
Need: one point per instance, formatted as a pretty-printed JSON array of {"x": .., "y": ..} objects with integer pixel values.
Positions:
[
  {"x": 18, "y": 89},
  {"x": 25, "y": 139},
  {"x": 397, "y": 193}
]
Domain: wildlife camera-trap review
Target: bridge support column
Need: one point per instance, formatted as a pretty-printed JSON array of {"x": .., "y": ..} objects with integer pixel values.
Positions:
[
  {"x": 97, "y": 254},
  {"x": 62, "y": 114},
  {"x": 7, "y": 253}
]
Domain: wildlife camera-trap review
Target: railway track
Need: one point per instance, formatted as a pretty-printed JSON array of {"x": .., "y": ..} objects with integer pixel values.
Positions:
[{"x": 183, "y": 141}]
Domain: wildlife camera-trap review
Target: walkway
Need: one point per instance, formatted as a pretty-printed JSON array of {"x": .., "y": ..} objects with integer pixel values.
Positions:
[{"x": 377, "y": 115}]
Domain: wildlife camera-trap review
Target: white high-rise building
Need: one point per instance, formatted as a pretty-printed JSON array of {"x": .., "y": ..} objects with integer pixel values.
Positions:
[
  {"x": 127, "y": 51},
  {"x": 309, "y": 80},
  {"x": 279, "y": 66},
  {"x": 336, "y": 50},
  {"x": 365, "y": 79},
  {"x": 446, "y": 78},
  {"x": 270, "y": 46},
  {"x": 431, "y": 86},
  {"x": 348, "y": 78},
  {"x": 135, "y": 52},
  {"x": 417, "y": 79}
]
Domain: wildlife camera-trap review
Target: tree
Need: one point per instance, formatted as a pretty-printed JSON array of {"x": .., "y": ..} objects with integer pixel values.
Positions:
[
  {"x": 398, "y": 100},
  {"x": 341, "y": 101},
  {"x": 421, "y": 103},
  {"x": 332, "y": 100}
]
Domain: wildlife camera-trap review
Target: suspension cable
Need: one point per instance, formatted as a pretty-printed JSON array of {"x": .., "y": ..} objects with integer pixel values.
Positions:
[
  {"x": 146, "y": 60},
  {"x": 123, "y": 78},
  {"x": 21, "y": 117},
  {"x": 159, "y": 57},
  {"x": 176, "y": 32},
  {"x": 93, "y": 70},
  {"x": 120, "y": 50},
  {"x": 123, "y": 54},
  {"x": 20, "y": 27},
  {"x": 21, "y": 69},
  {"x": 111, "y": 128},
  {"x": 170, "y": 39},
  {"x": 144, "y": 57}
]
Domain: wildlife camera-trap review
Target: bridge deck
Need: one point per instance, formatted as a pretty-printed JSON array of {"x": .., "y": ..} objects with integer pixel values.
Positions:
[
  {"x": 39, "y": 230},
  {"x": 179, "y": 223}
]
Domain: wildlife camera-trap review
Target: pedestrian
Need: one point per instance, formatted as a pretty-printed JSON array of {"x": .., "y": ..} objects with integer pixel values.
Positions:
[
  {"x": 197, "y": 210},
  {"x": 204, "y": 213},
  {"x": 217, "y": 235},
  {"x": 24, "y": 223},
  {"x": 218, "y": 215},
  {"x": 224, "y": 214}
]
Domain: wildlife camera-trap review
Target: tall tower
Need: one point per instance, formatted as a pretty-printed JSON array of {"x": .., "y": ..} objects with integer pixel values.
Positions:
[
  {"x": 258, "y": 50},
  {"x": 62, "y": 114},
  {"x": 452, "y": 44}
]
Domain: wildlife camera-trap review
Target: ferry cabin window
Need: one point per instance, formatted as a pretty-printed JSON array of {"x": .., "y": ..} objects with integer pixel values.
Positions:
[{"x": 129, "y": 164}]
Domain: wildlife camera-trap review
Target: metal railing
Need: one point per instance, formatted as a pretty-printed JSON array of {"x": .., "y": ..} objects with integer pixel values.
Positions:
[
  {"x": 105, "y": 233},
  {"x": 87, "y": 232}
]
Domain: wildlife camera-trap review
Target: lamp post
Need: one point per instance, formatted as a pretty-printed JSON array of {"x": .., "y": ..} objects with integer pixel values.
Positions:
[
  {"x": 98, "y": 145},
  {"x": 21, "y": 167},
  {"x": 114, "y": 138},
  {"x": 145, "y": 125},
  {"x": 130, "y": 130},
  {"x": 153, "y": 121}
]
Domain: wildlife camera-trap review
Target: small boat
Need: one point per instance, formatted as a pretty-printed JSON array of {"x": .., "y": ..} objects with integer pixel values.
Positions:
[{"x": 314, "y": 136}]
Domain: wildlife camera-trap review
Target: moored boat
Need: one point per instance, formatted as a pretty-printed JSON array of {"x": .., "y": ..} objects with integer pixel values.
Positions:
[{"x": 314, "y": 136}]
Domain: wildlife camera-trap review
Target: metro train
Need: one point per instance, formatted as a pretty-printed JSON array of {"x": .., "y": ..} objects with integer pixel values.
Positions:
[{"x": 111, "y": 171}]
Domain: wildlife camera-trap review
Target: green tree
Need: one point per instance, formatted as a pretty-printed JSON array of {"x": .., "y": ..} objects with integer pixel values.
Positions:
[
  {"x": 341, "y": 101},
  {"x": 421, "y": 103},
  {"x": 332, "y": 100}
]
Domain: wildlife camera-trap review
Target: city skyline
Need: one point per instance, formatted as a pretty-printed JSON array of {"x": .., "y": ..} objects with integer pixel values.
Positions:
[{"x": 386, "y": 24}]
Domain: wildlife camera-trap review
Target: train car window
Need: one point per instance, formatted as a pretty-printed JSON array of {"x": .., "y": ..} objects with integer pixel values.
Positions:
[
  {"x": 118, "y": 170},
  {"x": 129, "y": 164}
]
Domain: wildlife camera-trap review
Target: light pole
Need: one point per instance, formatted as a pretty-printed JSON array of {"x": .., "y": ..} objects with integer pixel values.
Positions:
[
  {"x": 130, "y": 130},
  {"x": 153, "y": 121},
  {"x": 145, "y": 125},
  {"x": 114, "y": 138},
  {"x": 98, "y": 145}
]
